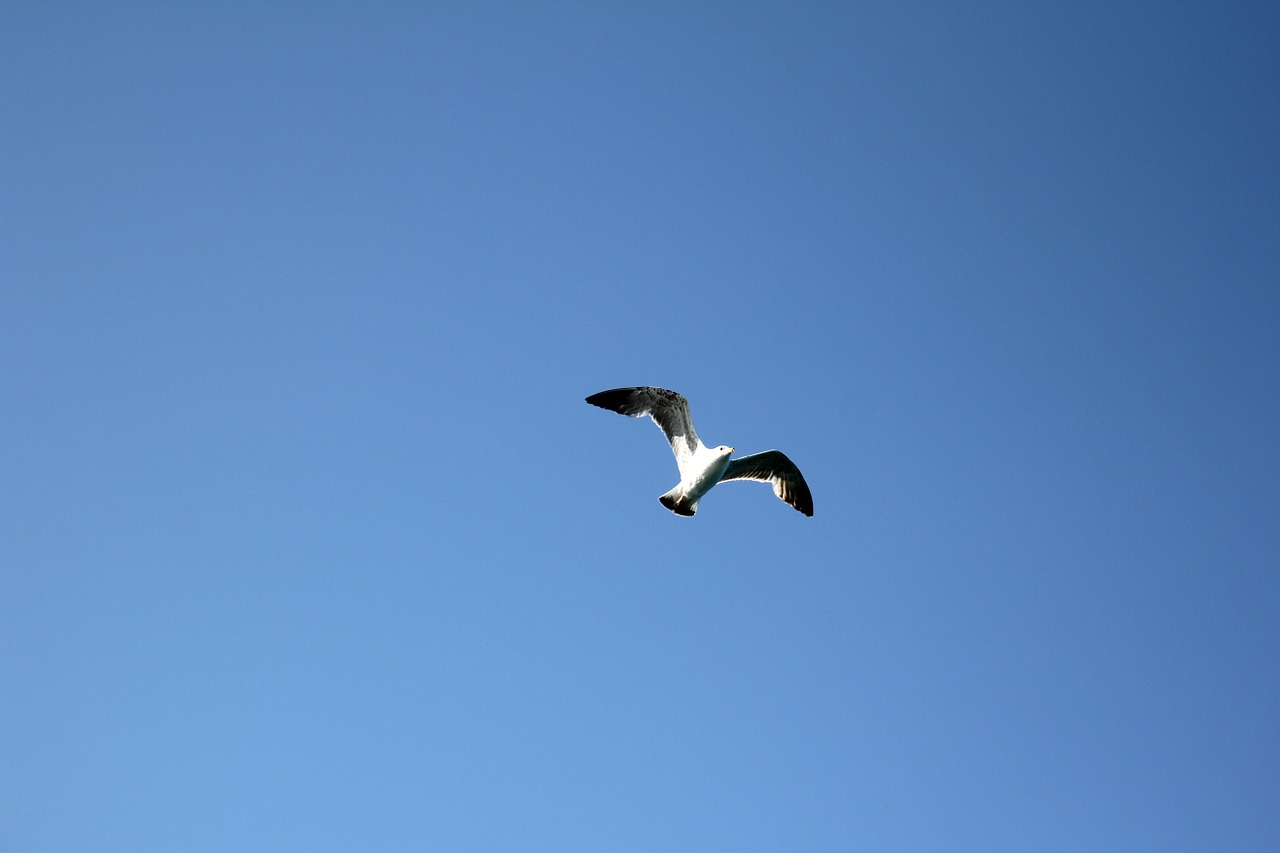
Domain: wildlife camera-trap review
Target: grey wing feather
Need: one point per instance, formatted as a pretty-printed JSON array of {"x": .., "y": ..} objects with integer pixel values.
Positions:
[
  {"x": 669, "y": 410},
  {"x": 773, "y": 467}
]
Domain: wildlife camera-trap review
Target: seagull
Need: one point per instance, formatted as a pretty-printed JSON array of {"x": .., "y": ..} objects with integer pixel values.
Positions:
[{"x": 702, "y": 467}]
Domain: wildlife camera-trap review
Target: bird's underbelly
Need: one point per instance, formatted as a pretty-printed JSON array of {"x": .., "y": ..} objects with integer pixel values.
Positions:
[{"x": 701, "y": 481}]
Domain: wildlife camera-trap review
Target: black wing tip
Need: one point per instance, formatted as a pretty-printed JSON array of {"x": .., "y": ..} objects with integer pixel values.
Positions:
[
  {"x": 613, "y": 400},
  {"x": 797, "y": 496},
  {"x": 637, "y": 400},
  {"x": 804, "y": 497}
]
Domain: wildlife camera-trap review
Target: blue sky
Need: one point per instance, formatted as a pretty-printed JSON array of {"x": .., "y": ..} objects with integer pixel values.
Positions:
[{"x": 308, "y": 540}]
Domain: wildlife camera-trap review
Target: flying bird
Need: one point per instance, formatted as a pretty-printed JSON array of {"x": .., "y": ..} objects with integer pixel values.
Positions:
[{"x": 702, "y": 467}]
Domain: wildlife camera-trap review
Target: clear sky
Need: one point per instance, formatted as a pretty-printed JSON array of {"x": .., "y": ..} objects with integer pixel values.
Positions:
[{"x": 309, "y": 542}]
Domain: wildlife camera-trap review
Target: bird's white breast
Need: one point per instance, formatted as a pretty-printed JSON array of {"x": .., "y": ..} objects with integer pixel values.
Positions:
[{"x": 705, "y": 470}]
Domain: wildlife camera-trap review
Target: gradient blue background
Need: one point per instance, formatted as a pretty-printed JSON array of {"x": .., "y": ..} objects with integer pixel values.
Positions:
[{"x": 308, "y": 540}]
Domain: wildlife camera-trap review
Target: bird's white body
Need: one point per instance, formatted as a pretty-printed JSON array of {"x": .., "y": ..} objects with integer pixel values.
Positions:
[{"x": 698, "y": 474}]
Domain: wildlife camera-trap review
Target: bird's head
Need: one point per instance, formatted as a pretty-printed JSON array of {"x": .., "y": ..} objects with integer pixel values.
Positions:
[{"x": 724, "y": 450}]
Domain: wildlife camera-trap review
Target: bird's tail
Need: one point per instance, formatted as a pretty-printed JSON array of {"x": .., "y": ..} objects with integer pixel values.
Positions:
[{"x": 674, "y": 501}]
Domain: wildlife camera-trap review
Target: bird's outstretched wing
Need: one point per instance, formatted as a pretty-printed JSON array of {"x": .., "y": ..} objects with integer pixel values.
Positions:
[
  {"x": 773, "y": 467},
  {"x": 669, "y": 410}
]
